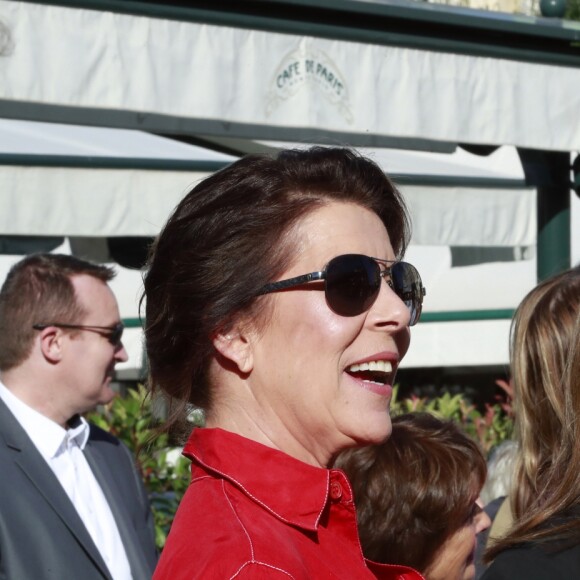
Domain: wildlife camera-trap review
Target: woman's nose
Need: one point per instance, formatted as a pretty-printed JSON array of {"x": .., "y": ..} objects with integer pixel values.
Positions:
[{"x": 389, "y": 308}]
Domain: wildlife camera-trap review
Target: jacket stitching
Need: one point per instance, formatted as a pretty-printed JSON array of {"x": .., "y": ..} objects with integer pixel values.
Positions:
[
  {"x": 245, "y": 564},
  {"x": 239, "y": 520}
]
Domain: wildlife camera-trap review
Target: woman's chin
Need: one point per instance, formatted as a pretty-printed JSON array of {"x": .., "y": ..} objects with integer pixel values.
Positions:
[{"x": 375, "y": 431}]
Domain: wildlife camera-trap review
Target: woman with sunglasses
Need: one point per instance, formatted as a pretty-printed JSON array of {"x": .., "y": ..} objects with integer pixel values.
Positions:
[{"x": 277, "y": 301}]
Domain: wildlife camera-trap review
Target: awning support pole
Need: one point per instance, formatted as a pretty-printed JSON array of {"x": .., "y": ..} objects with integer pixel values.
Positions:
[{"x": 549, "y": 171}]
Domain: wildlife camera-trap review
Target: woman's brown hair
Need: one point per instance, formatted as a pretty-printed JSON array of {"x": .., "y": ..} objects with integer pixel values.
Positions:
[
  {"x": 231, "y": 235},
  {"x": 545, "y": 352},
  {"x": 415, "y": 490}
]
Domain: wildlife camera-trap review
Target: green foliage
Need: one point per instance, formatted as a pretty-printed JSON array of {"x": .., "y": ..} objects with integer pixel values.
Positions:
[
  {"x": 489, "y": 428},
  {"x": 572, "y": 10},
  {"x": 164, "y": 470}
]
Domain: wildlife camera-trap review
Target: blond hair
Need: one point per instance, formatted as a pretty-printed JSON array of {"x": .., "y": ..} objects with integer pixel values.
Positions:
[{"x": 544, "y": 352}]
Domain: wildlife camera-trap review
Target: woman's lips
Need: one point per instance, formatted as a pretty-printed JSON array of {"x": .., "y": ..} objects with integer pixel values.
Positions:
[
  {"x": 385, "y": 390},
  {"x": 386, "y": 355}
]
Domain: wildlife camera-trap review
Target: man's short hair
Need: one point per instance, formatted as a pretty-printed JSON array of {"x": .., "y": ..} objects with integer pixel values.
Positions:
[{"x": 37, "y": 290}]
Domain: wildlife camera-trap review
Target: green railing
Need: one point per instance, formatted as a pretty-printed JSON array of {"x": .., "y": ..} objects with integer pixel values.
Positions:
[
  {"x": 467, "y": 315},
  {"x": 447, "y": 316}
]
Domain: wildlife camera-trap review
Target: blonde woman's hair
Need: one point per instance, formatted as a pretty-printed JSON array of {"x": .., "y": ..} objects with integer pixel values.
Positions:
[{"x": 545, "y": 353}]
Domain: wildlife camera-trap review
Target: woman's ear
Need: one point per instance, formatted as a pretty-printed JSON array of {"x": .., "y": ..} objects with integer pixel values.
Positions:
[{"x": 236, "y": 347}]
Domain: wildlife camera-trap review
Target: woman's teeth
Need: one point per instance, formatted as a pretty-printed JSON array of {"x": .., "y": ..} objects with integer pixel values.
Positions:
[
  {"x": 382, "y": 366},
  {"x": 378, "y": 372}
]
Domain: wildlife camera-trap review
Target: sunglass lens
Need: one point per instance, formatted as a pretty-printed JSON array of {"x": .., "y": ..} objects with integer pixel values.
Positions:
[
  {"x": 352, "y": 284},
  {"x": 408, "y": 287},
  {"x": 116, "y": 335}
]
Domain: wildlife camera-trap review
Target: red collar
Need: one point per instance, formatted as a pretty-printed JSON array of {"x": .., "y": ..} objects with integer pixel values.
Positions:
[{"x": 267, "y": 476}]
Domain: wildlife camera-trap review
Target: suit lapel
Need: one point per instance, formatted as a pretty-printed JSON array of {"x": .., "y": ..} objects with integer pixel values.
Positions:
[
  {"x": 106, "y": 478},
  {"x": 41, "y": 477}
]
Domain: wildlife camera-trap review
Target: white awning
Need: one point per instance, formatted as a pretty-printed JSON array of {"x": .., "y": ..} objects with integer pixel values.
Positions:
[
  {"x": 186, "y": 76},
  {"x": 112, "y": 202},
  {"x": 80, "y": 202},
  {"x": 85, "y": 201},
  {"x": 459, "y": 344},
  {"x": 468, "y": 216},
  {"x": 91, "y": 201}
]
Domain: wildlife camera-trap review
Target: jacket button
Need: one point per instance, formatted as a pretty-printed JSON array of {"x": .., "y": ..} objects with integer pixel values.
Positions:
[{"x": 335, "y": 490}]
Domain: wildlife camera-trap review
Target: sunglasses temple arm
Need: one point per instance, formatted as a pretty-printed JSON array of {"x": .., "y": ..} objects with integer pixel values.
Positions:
[{"x": 282, "y": 284}]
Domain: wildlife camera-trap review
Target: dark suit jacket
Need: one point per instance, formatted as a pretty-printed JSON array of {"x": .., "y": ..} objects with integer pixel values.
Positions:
[{"x": 41, "y": 534}]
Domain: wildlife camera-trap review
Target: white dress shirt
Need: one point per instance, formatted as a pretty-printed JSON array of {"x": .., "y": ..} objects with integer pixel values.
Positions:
[{"x": 62, "y": 449}]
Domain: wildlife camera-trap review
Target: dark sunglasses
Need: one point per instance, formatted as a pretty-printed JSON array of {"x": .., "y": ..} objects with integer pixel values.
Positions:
[
  {"x": 352, "y": 283},
  {"x": 112, "y": 333}
]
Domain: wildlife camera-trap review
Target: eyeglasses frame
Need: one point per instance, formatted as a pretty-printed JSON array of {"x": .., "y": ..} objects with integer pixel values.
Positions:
[
  {"x": 321, "y": 275},
  {"x": 113, "y": 334}
]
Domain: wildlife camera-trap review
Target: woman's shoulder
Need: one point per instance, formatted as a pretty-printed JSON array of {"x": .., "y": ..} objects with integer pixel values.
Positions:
[
  {"x": 234, "y": 535},
  {"x": 536, "y": 562},
  {"x": 211, "y": 499},
  {"x": 209, "y": 537}
]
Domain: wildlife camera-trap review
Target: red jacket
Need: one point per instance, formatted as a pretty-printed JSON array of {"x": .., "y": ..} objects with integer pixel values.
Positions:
[{"x": 254, "y": 512}]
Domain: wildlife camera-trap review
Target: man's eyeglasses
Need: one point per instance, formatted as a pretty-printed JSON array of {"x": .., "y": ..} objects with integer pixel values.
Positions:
[
  {"x": 352, "y": 283},
  {"x": 112, "y": 333}
]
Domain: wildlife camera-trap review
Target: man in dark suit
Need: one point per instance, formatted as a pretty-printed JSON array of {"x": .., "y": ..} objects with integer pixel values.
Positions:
[{"x": 72, "y": 504}]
